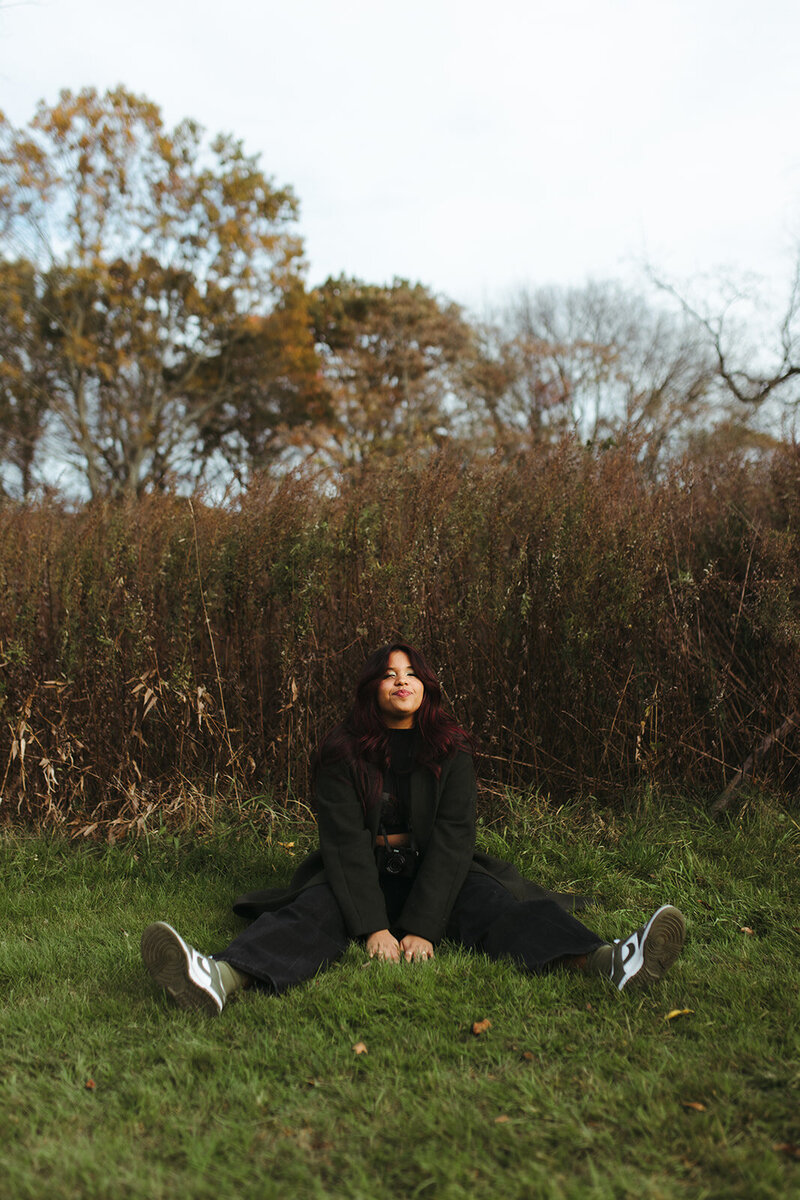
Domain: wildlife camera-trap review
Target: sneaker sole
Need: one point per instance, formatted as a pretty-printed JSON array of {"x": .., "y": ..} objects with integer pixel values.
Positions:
[
  {"x": 663, "y": 938},
  {"x": 166, "y": 957}
]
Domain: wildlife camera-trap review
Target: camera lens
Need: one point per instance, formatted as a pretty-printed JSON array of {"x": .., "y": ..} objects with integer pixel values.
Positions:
[{"x": 395, "y": 863}]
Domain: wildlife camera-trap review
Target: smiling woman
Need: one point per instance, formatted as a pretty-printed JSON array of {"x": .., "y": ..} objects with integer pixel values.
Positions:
[
  {"x": 399, "y": 692},
  {"x": 397, "y": 867}
]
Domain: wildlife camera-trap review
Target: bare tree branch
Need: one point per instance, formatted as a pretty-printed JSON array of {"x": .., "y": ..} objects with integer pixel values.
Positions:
[{"x": 747, "y": 386}]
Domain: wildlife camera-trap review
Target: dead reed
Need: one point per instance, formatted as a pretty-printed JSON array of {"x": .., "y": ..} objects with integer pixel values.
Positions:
[{"x": 599, "y": 630}]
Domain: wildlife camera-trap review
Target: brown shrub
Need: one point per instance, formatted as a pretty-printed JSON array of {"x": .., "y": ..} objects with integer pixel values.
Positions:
[{"x": 597, "y": 629}]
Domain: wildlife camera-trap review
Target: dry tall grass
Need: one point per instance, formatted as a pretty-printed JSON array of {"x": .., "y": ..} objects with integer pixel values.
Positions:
[{"x": 599, "y": 631}]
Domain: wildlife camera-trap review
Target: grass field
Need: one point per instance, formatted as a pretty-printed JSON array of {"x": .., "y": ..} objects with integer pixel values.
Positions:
[{"x": 572, "y": 1091}]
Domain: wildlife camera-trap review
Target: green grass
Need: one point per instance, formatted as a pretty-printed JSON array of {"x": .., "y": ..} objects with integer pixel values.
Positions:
[{"x": 574, "y": 1091}]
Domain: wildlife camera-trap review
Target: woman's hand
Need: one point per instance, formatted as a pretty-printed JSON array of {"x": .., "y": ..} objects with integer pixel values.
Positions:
[
  {"x": 416, "y": 949},
  {"x": 382, "y": 945}
]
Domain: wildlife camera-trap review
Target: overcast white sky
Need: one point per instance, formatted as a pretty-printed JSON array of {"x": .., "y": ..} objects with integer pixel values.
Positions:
[{"x": 473, "y": 146}]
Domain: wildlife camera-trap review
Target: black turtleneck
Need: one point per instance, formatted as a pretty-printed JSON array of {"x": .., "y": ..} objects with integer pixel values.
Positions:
[{"x": 396, "y": 796}]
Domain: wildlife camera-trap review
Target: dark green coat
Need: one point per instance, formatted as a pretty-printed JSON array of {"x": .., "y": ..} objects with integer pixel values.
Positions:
[{"x": 443, "y": 821}]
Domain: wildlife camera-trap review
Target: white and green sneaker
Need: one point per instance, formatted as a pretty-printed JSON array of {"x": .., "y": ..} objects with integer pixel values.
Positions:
[
  {"x": 191, "y": 979},
  {"x": 643, "y": 958}
]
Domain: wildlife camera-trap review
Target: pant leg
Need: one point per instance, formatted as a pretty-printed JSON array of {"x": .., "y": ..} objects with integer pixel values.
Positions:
[
  {"x": 289, "y": 945},
  {"x": 535, "y": 933}
]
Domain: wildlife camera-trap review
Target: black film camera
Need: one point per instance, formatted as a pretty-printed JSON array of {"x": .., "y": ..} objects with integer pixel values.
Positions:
[{"x": 400, "y": 861}]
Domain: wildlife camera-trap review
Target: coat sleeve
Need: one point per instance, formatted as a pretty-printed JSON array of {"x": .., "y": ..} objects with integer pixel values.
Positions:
[
  {"x": 347, "y": 851},
  {"x": 446, "y": 856}
]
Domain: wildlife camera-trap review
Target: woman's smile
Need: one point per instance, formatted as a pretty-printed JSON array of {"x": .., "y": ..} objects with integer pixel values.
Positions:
[{"x": 400, "y": 692}]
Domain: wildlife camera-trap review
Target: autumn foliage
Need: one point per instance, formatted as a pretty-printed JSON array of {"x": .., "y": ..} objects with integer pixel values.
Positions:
[
  {"x": 134, "y": 261},
  {"x": 157, "y": 332}
]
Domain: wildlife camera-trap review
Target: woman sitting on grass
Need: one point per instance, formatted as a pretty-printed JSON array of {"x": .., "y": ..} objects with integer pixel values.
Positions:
[{"x": 397, "y": 867}]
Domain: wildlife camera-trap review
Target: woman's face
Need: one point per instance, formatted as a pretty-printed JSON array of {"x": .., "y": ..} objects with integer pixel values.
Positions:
[{"x": 399, "y": 692}]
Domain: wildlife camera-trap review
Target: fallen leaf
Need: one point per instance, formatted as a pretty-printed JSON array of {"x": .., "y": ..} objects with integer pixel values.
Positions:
[
  {"x": 90, "y": 1085},
  {"x": 286, "y": 845},
  {"x": 694, "y": 1105},
  {"x": 788, "y": 1148},
  {"x": 479, "y": 1027},
  {"x": 501, "y": 1120},
  {"x": 746, "y": 929},
  {"x": 360, "y": 1048},
  {"x": 678, "y": 1012}
]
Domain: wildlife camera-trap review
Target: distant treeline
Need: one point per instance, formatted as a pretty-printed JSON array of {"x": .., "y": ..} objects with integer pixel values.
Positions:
[
  {"x": 157, "y": 334},
  {"x": 599, "y": 630}
]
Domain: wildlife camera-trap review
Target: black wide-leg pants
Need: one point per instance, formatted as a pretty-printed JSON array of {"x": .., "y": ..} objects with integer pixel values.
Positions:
[{"x": 285, "y": 947}]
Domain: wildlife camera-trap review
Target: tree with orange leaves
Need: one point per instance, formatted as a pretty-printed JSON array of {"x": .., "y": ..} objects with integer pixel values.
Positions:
[{"x": 151, "y": 251}]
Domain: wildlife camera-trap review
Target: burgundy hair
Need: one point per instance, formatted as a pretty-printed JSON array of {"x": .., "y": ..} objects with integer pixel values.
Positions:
[{"x": 362, "y": 739}]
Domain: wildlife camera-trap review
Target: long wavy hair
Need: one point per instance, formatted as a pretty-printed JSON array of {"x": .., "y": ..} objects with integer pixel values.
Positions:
[{"x": 362, "y": 739}]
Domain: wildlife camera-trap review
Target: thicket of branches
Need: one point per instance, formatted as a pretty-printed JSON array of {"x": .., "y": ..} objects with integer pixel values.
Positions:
[{"x": 599, "y": 630}]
